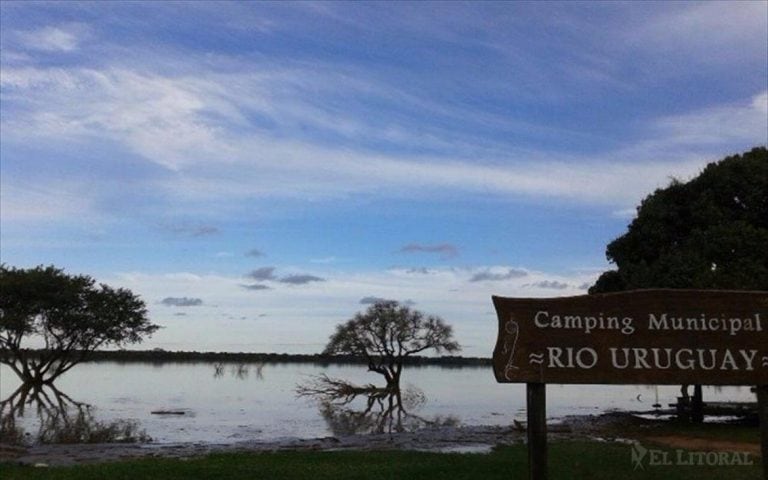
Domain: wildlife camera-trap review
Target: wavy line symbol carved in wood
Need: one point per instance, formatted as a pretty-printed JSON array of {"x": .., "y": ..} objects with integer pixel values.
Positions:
[{"x": 512, "y": 330}]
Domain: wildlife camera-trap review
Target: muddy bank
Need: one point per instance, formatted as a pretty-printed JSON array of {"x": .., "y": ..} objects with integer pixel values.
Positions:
[
  {"x": 621, "y": 427},
  {"x": 466, "y": 439}
]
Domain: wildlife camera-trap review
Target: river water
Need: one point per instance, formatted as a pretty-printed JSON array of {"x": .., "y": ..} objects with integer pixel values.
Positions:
[{"x": 259, "y": 402}]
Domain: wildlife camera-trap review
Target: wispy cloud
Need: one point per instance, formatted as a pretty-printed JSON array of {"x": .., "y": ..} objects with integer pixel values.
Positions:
[
  {"x": 189, "y": 230},
  {"x": 447, "y": 250},
  {"x": 268, "y": 274},
  {"x": 325, "y": 260},
  {"x": 254, "y": 252},
  {"x": 374, "y": 300},
  {"x": 181, "y": 302},
  {"x": 22, "y": 200},
  {"x": 300, "y": 279},
  {"x": 263, "y": 273},
  {"x": 705, "y": 32},
  {"x": 625, "y": 213},
  {"x": 522, "y": 110},
  {"x": 740, "y": 122},
  {"x": 63, "y": 38},
  {"x": 198, "y": 126},
  {"x": 310, "y": 312},
  {"x": 204, "y": 230},
  {"x": 497, "y": 276},
  {"x": 549, "y": 284},
  {"x": 419, "y": 271}
]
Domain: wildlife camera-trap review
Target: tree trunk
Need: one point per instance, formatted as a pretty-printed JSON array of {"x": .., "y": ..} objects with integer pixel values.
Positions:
[
  {"x": 697, "y": 405},
  {"x": 393, "y": 382}
]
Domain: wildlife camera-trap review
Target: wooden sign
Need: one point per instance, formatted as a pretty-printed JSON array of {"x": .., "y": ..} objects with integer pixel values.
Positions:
[
  {"x": 653, "y": 337},
  {"x": 705, "y": 337}
]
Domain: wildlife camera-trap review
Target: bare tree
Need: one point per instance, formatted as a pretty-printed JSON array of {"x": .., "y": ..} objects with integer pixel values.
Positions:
[{"x": 386, "y": 334}]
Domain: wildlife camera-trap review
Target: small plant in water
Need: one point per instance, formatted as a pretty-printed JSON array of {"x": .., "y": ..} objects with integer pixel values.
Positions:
[
  {"x": 83, "y": 428},
  {"x": 241, "y": 371}
]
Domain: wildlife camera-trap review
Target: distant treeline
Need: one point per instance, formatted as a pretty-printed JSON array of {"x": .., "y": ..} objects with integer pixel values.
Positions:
[{"x": 160, "y": 356}]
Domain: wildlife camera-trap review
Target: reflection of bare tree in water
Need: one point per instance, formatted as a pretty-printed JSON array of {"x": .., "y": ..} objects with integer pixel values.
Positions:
[
  {"x": 60, "y": 419},
  {"x": 241, "y": 371},
  {"x": 351, "y": 409}
]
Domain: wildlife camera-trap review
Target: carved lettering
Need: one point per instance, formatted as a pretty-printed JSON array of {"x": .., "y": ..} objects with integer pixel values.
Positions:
[{"x": 647, "y": 337}]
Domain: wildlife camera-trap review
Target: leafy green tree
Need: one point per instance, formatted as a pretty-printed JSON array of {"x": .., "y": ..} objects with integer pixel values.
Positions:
[
  {"x": 63, "y": 318},
  {"x": 710, "y": 232},
  {"x": 386, "y": 334}
]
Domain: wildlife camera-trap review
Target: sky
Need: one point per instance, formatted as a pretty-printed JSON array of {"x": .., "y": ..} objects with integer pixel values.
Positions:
[{"x": 259, "y": 172}]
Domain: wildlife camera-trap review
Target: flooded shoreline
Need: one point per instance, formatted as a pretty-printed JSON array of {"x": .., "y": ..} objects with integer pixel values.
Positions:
[
  {"x": 229, "y": 403},
  {"x": 623, "y": 427}
]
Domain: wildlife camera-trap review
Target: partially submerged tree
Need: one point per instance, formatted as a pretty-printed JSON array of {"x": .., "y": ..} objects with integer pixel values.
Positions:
[
  {"x": 386, "y": 334},
  {"x": 63, "y": 318}
]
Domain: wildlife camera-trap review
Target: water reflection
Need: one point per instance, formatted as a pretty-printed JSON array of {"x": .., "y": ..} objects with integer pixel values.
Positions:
[
  {"x": 59, "y": 419},
  {"x": 350, "y": 409},
  {"x": 386, "y": 413},
  {"x": 228, "y": 410},
  {"x": 241, "y": 371}
]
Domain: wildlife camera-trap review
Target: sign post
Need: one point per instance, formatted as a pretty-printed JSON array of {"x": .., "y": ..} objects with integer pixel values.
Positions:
[
  {"x": 650, "y": 337},
  {"x": 762, "y": 406},
  {"x": 536, "y": 406}
]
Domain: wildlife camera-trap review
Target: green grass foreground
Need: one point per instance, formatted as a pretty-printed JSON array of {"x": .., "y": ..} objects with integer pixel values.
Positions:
[{"x": 568, "y": 460}]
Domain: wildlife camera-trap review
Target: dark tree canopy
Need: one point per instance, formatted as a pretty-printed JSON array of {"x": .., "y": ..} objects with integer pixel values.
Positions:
[
  {"x": 710, "y": 232},
  {"x": 387, "y": 333},
  {"x": 67, "y": 316}
]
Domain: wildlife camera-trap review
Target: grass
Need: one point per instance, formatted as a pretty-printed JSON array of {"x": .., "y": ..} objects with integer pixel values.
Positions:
[
  {"x": 568, "y": 460},
  {"x": 715, "y": 431}
]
